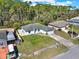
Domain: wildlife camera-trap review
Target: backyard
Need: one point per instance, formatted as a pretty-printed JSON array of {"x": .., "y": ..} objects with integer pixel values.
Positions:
[{"x": 34, "y": 43}]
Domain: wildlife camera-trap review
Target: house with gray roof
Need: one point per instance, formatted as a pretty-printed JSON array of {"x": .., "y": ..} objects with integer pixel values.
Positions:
[
  {"x": 74, "y": 21},
  {"x": 5, "y": 37},
  {"x": 34, "y": 29},
  {"x": 63, "y": 25}
]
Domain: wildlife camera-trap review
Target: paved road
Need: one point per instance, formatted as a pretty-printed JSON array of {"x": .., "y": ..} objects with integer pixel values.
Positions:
[
  {"x": 63, "y": 41},
  {"x": 73, "y": 53}
]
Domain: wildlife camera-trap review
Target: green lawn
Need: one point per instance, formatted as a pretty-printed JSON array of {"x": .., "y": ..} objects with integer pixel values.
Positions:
[
  {"x": 62, "y": 34},
  {"x": 66, "y": 36},
  {"x": 48, "y": 53},
  {"x": 75, "y": 28},
  {"x": 35, "y": 42}
]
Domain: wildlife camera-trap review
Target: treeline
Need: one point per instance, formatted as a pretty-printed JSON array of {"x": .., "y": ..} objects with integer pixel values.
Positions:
[{"x": 14, "y": 13}]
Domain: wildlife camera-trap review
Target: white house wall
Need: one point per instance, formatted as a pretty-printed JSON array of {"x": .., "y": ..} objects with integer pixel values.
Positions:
[
  {"x": 36, "y": 32},
  {"x": 64, "y": 29},
  {"x": 42, "y": 31},
  {"x": 23, "y": 32},
  {"x": 31, "y": 32},
  {"x": 50, "y": 32}
]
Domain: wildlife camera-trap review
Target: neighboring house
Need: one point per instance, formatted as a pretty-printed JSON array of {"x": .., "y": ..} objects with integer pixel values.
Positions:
[
  {"x": 34, "y": 29},
  {"x": 6, "y": 38},
  {"x": 74, "y": 21},
  {"x": 63, "y": 25}
]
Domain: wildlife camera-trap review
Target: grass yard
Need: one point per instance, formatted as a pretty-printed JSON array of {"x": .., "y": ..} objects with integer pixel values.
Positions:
[
  {"x": 35, "y": 42},
  {"x": 66, "y": 36},
  {"x": 48, "y": 53},
  {"x": 62, "y": 34},
  {"x": 75, "y": 28}
]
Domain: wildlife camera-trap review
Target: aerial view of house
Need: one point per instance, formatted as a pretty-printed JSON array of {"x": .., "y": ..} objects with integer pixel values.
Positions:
[
  {"x": 39, "y": 29},
  {"x": 59, "y": 25},
  {"x": 35, "y": 28}
]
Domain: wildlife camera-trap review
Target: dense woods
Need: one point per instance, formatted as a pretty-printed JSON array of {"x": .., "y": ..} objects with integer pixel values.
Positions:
[{"x": 14, "y": 13}]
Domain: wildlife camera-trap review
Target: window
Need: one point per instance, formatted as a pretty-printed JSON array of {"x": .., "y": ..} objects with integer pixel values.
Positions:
[
  {"x": 38, "y": 29},
  {"x": 29, "y": 31}
]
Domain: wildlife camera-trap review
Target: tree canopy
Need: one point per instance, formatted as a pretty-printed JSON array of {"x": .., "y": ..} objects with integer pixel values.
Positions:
[{"x": 15, "y": 11}]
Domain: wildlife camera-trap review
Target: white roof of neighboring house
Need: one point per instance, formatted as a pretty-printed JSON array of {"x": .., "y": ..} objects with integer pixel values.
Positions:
[{"x": 10, "y": 47}]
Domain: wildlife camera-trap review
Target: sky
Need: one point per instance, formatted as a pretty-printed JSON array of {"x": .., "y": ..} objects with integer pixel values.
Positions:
[{"x": 57, "y": 2}]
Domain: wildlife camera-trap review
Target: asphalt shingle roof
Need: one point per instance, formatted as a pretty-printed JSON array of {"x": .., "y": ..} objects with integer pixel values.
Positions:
[
  {"x": 59, "y": 24},
  {"x": 73, "y": 21},
  {"x": 35, "y": 26},
  {"x": 3, "y": 35}
]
